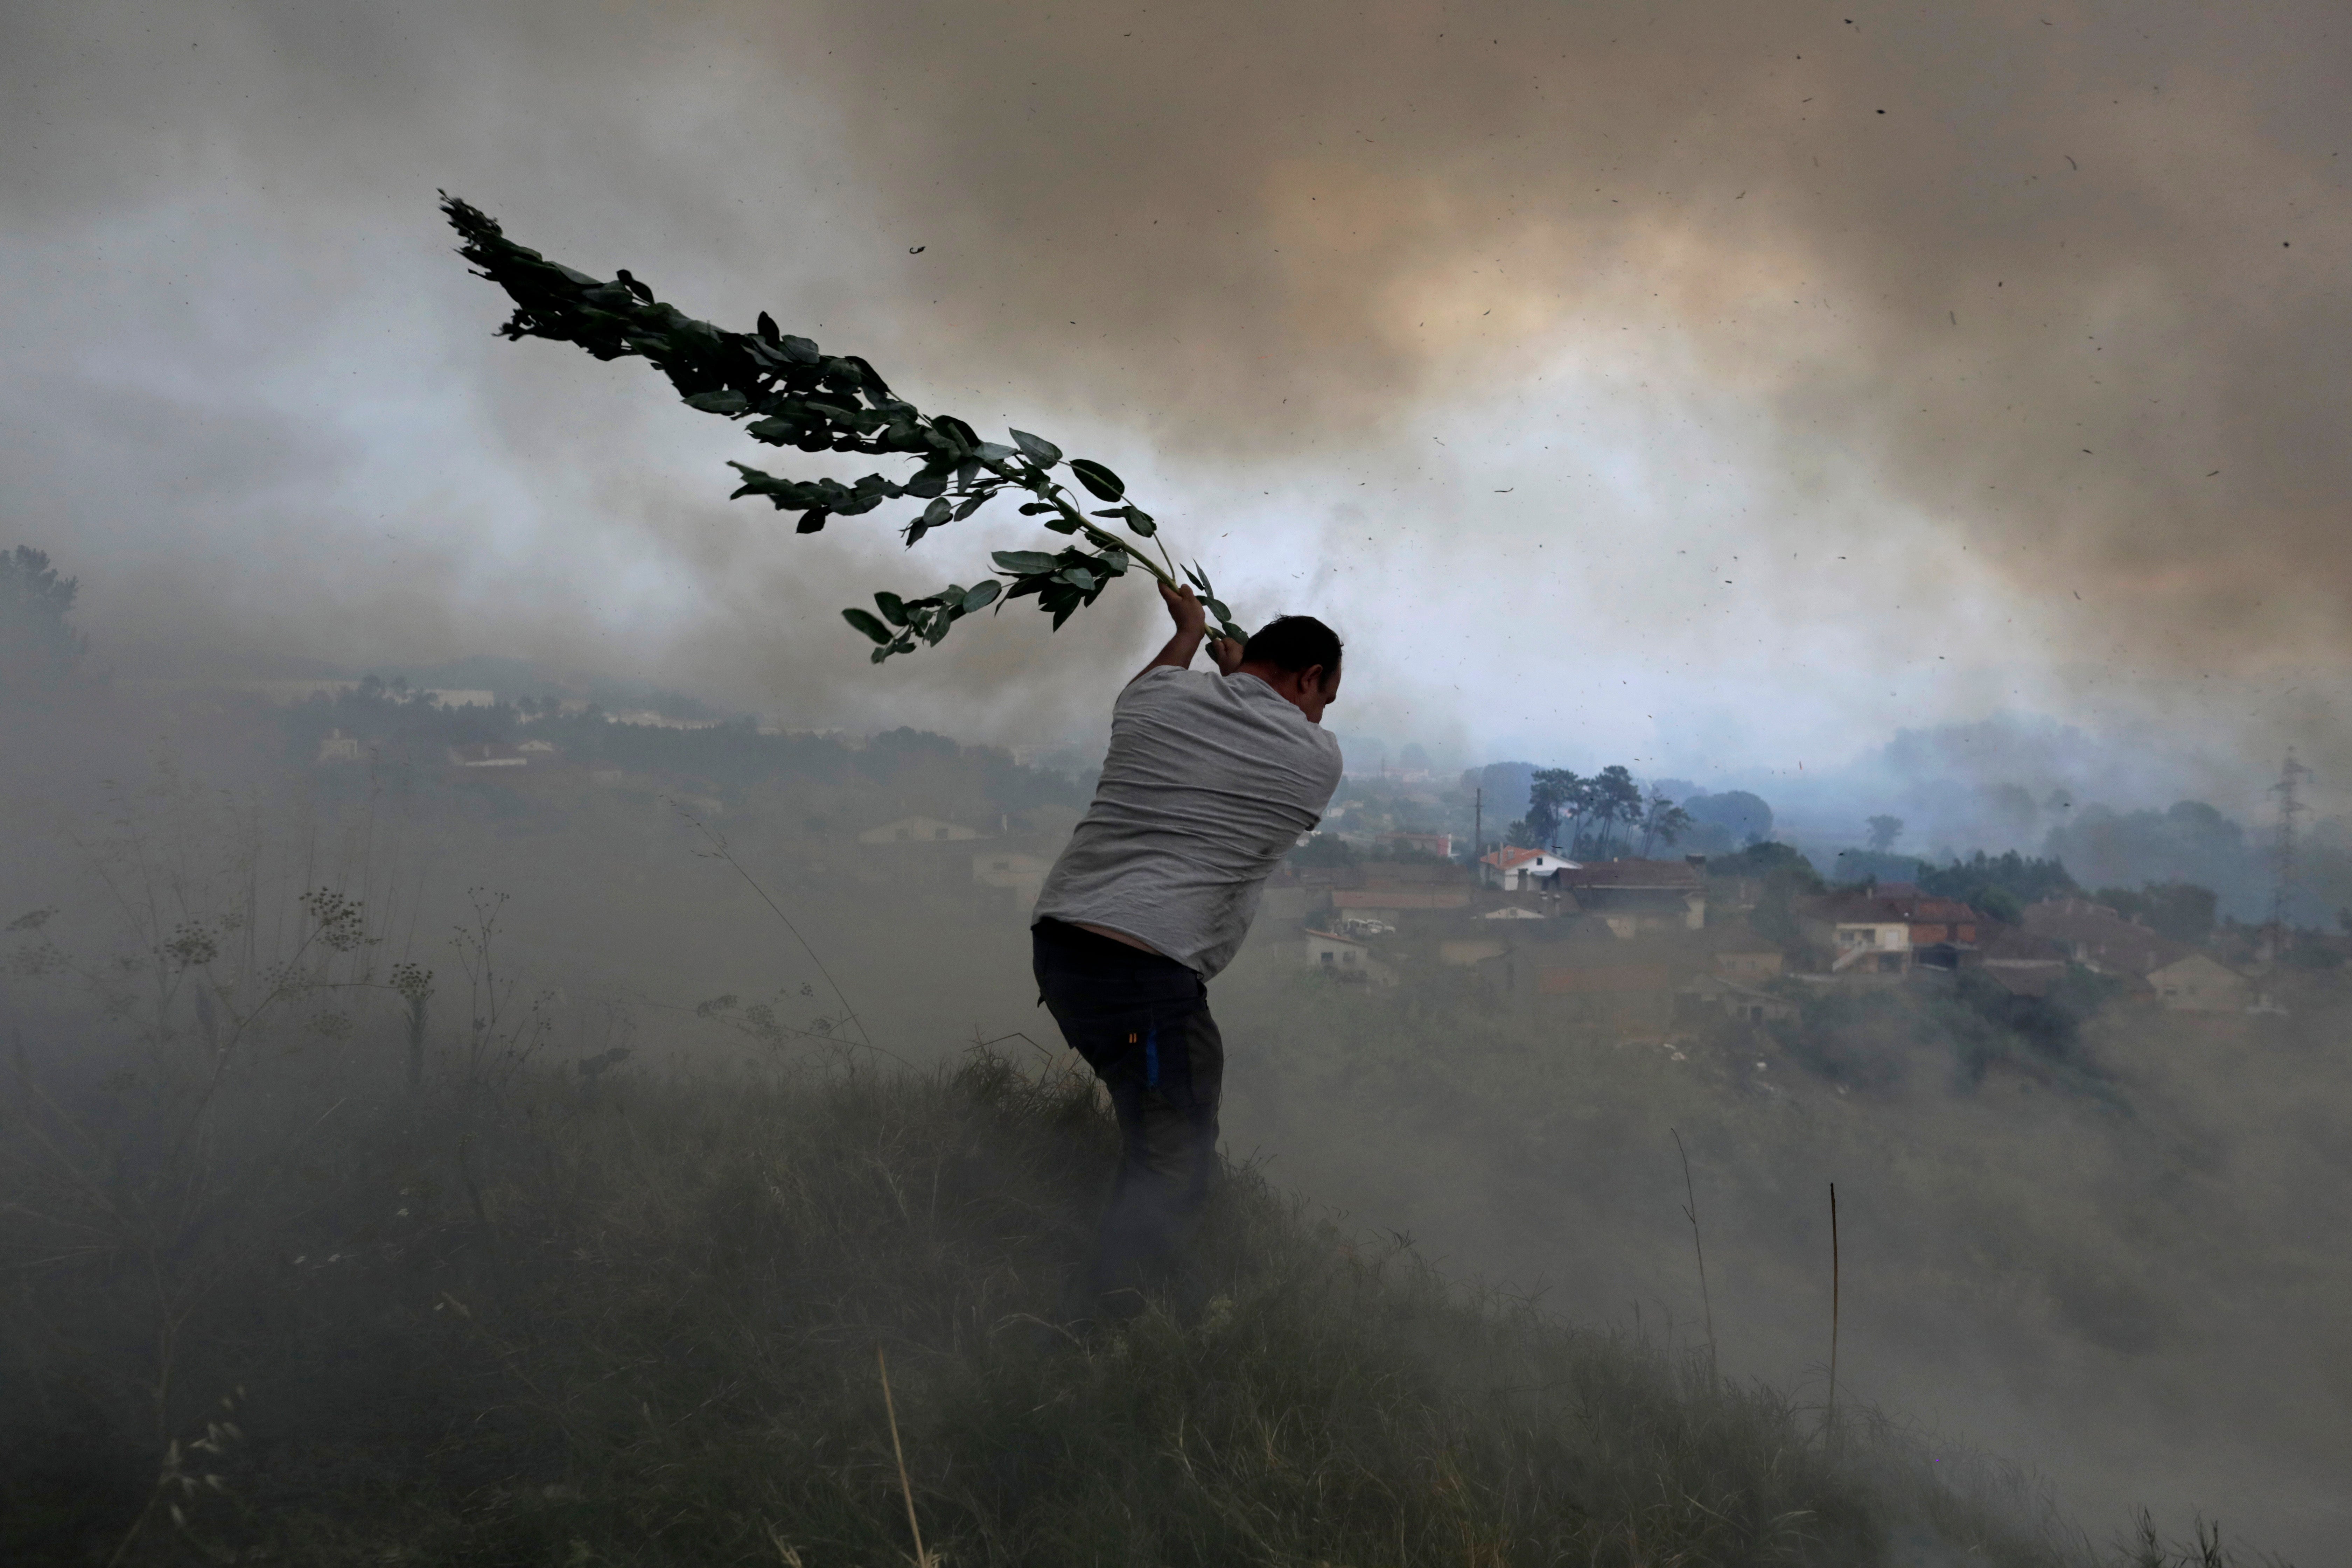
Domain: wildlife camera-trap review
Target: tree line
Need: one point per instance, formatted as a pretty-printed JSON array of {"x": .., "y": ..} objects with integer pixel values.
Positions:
[{"x": 1585, "y": 819}]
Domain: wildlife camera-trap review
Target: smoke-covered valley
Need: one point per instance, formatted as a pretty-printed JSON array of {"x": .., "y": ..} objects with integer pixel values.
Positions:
[
  {"x": 2054, "y": 1244},
  {"x": 1834, "y": 524}
]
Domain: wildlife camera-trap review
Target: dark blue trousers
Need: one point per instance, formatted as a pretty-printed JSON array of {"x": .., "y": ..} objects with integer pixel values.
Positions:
[{"x": 1143, "y": 1024}]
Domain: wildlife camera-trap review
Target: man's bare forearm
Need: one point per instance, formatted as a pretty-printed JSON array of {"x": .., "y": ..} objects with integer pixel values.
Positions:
[{"x": 1178, "y": 653}]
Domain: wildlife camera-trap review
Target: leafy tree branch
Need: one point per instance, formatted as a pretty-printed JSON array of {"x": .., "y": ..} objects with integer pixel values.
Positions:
[{"x": 795, "y": 395}]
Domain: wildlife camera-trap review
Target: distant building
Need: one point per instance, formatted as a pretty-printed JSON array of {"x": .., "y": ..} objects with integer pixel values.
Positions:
[
  {"x": 2017, "y": 961},
  {"x": 1630, "y": 897},
  {"x": 1734, "y": 952},
  {"x": 1876, "y": 931},
  {"x": 1387, "y": 903},
  {"x": 2200, "y": 983},
  {"x": 1345, "y": 957},
  {"x": 2182, "y": 978},
  {"x": 917, "y": 830},
  {"x": 537, "y": 748},
  {"x": 1440, "y": 844},
  {"x": 1521, "y": 870},
  {"x": 2099, "y": 939},
  {"x": 1736, "y": 999},
  {"x": 338, "y": 747},
  {"x": 487, "y": 755},
  {"x": 648, "y": 719},
  {"x": 1023, "y": 875}
]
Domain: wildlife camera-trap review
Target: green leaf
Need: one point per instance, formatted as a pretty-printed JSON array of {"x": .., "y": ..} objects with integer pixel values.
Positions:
[
  {"x": 877, "y": 390},
  {"x": 792, "y": 396},
  {"x": 1099, "y": 481},
  {"x": 1039, "y": 449},
  {"x": 867, "y": 623}
]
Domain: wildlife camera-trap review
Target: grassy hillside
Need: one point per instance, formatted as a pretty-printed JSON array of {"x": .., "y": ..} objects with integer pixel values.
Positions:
[{"x": 557, "y": 1319}]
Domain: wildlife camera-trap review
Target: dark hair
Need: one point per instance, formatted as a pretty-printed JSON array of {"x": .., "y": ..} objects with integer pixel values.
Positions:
[{"x": 1292, "y": 643}]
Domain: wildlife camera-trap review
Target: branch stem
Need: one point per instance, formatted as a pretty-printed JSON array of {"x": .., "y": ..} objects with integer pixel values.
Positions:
[{"x": 1060, "y": 499}]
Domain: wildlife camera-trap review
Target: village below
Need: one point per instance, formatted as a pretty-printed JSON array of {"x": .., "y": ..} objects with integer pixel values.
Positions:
[{"x": 1603, "y": 930}]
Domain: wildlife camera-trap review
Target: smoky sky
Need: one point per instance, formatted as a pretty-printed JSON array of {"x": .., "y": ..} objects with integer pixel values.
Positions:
[{"x": 1866, "y": 364}]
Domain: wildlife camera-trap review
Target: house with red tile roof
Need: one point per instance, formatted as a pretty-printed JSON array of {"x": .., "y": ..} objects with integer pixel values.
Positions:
[{"x": 1874, "y": 931}]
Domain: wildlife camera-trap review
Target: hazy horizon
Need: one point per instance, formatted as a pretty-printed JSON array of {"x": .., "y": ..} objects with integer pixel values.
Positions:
[{"x": 1704, "y": 387}]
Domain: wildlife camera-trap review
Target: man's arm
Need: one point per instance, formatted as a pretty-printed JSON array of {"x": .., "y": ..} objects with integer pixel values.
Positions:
[{"x": 1191, "y": 620}]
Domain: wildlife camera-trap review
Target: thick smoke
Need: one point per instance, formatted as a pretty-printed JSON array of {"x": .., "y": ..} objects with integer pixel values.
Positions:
[
  {"x": 2041, "y": 273},
  {"x": 2047, "y": 293}
]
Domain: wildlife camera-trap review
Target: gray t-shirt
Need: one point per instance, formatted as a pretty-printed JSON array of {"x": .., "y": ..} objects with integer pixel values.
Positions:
[{"x": 1209, "y": 782}]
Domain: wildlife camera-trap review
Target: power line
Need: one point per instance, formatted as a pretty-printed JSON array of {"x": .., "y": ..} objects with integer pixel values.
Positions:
[{"x": 2283, "y": 848}]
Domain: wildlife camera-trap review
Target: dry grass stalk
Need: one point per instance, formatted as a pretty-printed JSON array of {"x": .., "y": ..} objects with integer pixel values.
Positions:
[
  {"x": 1829, "y": 1420},
  {"x": 923, "y": 1559},
  {"x": 1690, "y": 1212}
]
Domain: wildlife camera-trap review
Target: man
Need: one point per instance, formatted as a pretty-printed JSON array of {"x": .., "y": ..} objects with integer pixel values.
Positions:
[{"x": 1209, "y": 782}]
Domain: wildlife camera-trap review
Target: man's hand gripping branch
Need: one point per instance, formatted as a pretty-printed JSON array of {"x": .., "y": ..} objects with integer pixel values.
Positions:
[{"x": 1192, "y": 618}]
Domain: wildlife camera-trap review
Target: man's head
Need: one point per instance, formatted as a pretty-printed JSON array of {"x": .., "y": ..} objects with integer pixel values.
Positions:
[{"x": 1299, "y": 655}]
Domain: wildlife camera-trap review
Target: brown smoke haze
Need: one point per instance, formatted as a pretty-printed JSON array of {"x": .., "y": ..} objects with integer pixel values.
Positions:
[
  {"x": 2038, "y": 272},
  {"x": 1714, "y": 388},
  {"x": 2029, "y": 320}
]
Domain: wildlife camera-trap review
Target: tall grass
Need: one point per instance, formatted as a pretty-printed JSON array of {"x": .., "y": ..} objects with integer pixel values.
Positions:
[
  {"x": 533, "y": 1325},
  {"x": 278, "y": 1293}
]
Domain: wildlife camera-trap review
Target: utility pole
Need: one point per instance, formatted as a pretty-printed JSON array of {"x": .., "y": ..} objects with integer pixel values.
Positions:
[
  {"x": 2289, "y": 806},
  {"x": 1477, "y": 836}
]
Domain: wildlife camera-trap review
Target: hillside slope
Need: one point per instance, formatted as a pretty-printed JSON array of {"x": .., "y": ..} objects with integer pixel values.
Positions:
[{"x": 623, "y": 1320}]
